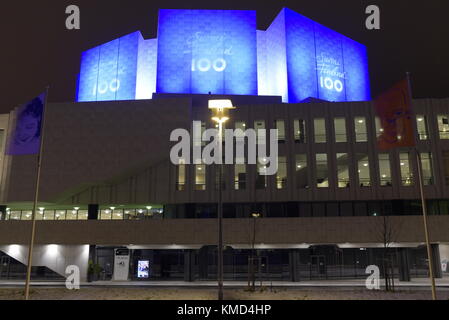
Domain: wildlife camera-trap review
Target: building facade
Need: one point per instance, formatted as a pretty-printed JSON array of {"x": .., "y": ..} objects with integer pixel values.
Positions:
[{"x": 108, "y": 183}]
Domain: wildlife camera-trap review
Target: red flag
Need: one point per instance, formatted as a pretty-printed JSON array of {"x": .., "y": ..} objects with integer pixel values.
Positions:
[{"x": 394, "y": 109}]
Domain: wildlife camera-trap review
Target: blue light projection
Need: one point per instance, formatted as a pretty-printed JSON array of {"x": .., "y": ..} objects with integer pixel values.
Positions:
[
  {"x": 203, "y": 51},
  {"x": 109, "y": 72},
  {"x": 320, "y": 63},
  {"x": 220, "y": 51}
]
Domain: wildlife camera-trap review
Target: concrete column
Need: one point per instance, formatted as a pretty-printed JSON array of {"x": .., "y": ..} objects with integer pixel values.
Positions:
[
  {"x": 189, "y": 259},
  {"x": 294, "y": 265},
  {"x": 436, "y": 261},
  {"x": 404, "y": 264}
]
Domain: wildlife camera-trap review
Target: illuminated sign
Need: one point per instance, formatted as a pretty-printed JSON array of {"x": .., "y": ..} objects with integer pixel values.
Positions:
[
  {"x": 143, "y": 269},
  {"x": 221, "y": 52}
]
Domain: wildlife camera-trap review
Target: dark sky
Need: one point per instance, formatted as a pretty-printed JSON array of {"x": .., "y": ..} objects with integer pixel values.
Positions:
[{"x": 38, "y": 50}]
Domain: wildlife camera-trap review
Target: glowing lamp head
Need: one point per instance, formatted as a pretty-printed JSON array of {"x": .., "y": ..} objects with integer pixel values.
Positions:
[{"x": 220, "y": 110}]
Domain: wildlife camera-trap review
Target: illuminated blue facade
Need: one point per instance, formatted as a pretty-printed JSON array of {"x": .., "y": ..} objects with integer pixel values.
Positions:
[{"x": 221, "y": 52}]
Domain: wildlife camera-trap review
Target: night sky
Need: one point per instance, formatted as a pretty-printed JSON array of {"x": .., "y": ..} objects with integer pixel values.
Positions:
[{"x": 38, "y": 50}]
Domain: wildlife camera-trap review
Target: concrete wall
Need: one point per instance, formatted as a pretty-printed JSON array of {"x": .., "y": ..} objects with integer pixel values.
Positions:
[
  {"x": 118, "y": 153},
  {"x": 269, "y": 231},
  {"x": 53, "y": 256}
]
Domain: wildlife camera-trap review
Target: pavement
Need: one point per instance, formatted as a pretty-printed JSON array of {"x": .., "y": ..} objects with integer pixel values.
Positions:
[{"x": 414, "y": 283}]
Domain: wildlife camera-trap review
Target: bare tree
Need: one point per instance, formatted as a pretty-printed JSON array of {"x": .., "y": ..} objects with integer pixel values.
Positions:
[{"x": 387, "y": 229}]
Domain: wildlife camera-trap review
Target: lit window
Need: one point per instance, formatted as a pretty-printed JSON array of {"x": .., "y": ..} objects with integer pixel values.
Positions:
[
  {"x": 106, "y": 214},
  {"x": 406, "y": 170},
  {"x": 421, "y": 125},
  {"x": 261, "y": 180},
  {"x": 260, "y": 125},
  {"x": 280, "y": 126},
  {"x": 361, "y": 134},
  {"x": 384, "y": 169},
  {"x": 427, "y": 169},
  {"x": 340, "y": 129},
  {"x": 240, "y": 175},
  {"x": 342, "y": 170},
  {"x": 322, "y": 172},
  {"x": 320, "y": 130},
  {"x": 301, "y": 172},
  {"x": 281, "y": 175},
  {"x": 363, "y": 170},
  {"x": 379, "y": 128},
  {"x": 299, "y": 126},
  {"x": 181, "y": 175},
  {"x": 200, "y": 177},
  {"x": 443, "y": 126}
]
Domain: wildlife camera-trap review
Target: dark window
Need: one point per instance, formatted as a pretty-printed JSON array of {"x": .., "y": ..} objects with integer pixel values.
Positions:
[
  {"x": 346, "y": 209},
  {"x": 319, "y": 209},
  {"x": 332, "y": 209},
  {"x": 360, "y": 209},
  {"x": 305, "y": 209}
]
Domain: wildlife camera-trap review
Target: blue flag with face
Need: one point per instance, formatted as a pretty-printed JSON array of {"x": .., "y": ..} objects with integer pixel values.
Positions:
[{"x": 25, "y": 137}]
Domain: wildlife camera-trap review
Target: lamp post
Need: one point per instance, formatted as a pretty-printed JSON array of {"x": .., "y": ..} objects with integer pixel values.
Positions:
[{"x": 220, "y": 114}]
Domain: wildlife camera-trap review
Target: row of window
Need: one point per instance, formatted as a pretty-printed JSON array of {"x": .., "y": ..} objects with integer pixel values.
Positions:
[
  {"x": 340, "y": 128},
  {"x": 322, "y": 172},
  {"x": 245, "y": 210},
  {"x": 308, "y": 209},
  {"x": 107, "y": 214}
]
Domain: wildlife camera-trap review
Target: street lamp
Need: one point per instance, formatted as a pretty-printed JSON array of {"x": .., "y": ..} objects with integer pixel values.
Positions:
[{"x": 220, "y": 114}]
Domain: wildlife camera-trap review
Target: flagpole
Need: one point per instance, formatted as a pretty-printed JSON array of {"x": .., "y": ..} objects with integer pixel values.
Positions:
[
  {"x": 36, "y": 196},
  {"x": 424, "y": 207}
]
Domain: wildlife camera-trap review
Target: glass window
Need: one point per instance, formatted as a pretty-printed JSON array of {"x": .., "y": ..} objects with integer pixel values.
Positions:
[
  {"x": 260, "y": 125},
  {"x": 346, "y": 209},
  {"x": 117, "y": 214},
  {"x": 443, "y": 126},
  {"x": 300, "y": 130},
  {"x": 27, "y": 215},
  {"x": 181, "y": 176},
  {"x": 446, "y": 166},
  {"x": 361, "y": 134},
  {"x": 83, "y": 215},
  {"x": 379, "y": 128},
  {"x": 240, "y": 125},
  {"x": 360, "y": 209},
  {"x": 105, "y": 214},
  {"x": 60, "y": 215},
  {"x": 49, "y": 215},
  {"x": 406, "y": 170},
  {"x": 421, "y": 125},
  {"x": 14, "y": 215},
  {"x": 342, "y": 170},
  {"x": 322, "y": 173},
  {"x": 198, "y": 140},
  {"x": 261, "y": 180},
  {"x": 340, "y": 129},
  {"x": 281, "y": 175},
  {"x": 72, "y": 215},
  {"x": 384, "y": 169},
  {"x": 363, "y": 170},
  {"x": 280, "y": 126},
  {"x": 320, "y": 130},
  {"x": 200, "y": 177},
  {"x": 427, "y": 169},
  {"x": 239, "y": 176},
  {"x": 301, "y": 172}
]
